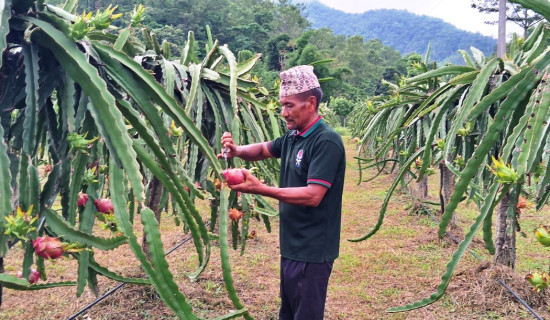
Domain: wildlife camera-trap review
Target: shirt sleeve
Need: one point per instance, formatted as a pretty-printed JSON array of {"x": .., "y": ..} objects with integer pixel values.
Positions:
[
  {"x": 324, "y": 165},
  {"x": 275, "y": 147}
]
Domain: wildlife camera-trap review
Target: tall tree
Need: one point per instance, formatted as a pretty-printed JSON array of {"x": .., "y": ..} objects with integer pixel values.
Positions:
[{"x": 519, "y": 15}]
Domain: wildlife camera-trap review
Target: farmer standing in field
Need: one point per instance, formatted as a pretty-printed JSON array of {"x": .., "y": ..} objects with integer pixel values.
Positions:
[{"x": 309, "y": 193}]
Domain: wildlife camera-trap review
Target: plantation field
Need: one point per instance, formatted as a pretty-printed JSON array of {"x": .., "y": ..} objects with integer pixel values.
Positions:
[{"x": 401, "y": 264}]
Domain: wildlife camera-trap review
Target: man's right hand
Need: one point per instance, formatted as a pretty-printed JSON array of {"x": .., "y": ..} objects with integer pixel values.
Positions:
[{"x": 229, "y": 147}]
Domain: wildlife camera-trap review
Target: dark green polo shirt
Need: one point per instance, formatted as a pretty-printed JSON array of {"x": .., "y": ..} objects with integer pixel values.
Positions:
[{"x": 316, "y": 155}]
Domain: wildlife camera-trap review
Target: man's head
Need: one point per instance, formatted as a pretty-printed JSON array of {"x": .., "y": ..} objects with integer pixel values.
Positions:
[{"x": 300, "y": 95}]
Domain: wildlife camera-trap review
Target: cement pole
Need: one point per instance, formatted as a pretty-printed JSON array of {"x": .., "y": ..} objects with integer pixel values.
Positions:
[{"x": 501, "y": 41}]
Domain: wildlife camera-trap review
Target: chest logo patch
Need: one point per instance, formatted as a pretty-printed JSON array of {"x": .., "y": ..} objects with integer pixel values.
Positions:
[{"x": 299, "y": 157}]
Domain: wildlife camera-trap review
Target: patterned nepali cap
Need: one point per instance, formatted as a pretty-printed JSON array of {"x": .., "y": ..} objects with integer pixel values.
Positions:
[{"x": 297, "y": 80}]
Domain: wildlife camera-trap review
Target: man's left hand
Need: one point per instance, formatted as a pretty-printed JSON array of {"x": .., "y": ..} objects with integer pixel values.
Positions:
[{"x": 250, "y": 184}]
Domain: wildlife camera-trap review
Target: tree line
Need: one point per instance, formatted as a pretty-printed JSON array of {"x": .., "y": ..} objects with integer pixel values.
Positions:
[{"x": 350, "y": 67}]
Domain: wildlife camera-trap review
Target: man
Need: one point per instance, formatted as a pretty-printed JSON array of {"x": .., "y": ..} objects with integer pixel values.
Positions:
[{"x": 309, "y": 193}]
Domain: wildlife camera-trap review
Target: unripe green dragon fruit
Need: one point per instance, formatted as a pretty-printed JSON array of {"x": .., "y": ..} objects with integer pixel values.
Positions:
[
  {"x": 540, "y": 280},
  {"x": 175, "y": 130},
  {"x": 19, "y": 224},
  {"x": 103, "y": 20},
  {"x": 137, "y": 15},
  {"x": 81, "y": 26},
  {"x": 79, "y": 142},
  {"x": 543, "y": 235},
  {"x": 505, "y": 172}
]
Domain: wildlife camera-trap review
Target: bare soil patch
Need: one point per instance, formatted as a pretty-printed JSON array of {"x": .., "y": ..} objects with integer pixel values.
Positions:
[{"x": 400, "y": 264}]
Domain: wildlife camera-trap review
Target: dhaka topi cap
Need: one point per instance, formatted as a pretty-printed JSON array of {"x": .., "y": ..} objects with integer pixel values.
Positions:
[{"x": 297, "y": 80}]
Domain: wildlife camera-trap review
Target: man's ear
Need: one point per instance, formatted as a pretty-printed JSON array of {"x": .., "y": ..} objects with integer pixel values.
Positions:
[{"x": 312, "y": 102}]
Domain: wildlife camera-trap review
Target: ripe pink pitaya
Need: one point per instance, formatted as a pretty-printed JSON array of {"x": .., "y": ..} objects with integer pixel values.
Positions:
[
  {"x": 48, "y": 247},
  {"x": 233, "y": 176},
  {"x": 82, "y": 199},
  {"x": 104, "y": 205},
  {"x": 34, "y": 276}
]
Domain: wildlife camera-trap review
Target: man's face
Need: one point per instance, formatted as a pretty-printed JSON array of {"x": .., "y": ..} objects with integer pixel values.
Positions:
[{"x": 297, "y": 112}]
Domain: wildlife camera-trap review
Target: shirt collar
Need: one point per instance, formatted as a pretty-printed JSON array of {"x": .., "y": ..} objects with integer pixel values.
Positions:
[{"x": 307, "y": 131}]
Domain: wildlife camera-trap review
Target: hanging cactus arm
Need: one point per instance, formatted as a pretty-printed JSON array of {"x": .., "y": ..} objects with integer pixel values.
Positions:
[
  {"x": 210, "y": 60},
  {"x": 404, "y": 169},
  {"x": 30, "y": 54},
  {"x": 61, "y": 227},
  {"x": 475, "y": 93},
  {"x": 5, "y": 15},
  {"x": 107, "y": 116},
  {"x": 158, "y": 260},
  {"x": 111, "y": 275},
  {"x": 467, "y": 58},
  {"x": 15, "y": 283},
  {"x": 224, "y": 252},
  {"x": 451, "y": 266},
  {"x": 537, "y": 128},
  {"x": 448, "y": 70},
  {"x": 125, "y": 79},
  {"x": 246, "y": 66},
  {"x": 51, "y": 188},
  {"x": 83, "y": 272},
  {"x": 168, "y": 75},
  {"x": 167, "y": 103},
  {"x": 157, "y": 278},
  {"x": 427, "y": 104},
  {"x": 178, "y": 192},
  {"x": 5, "y": 178},
  {"x": 533, "y": 37},
  {"x": 188, "y": 52},
  {"x": 230, "y": 57},
  {"x": 427, "y": 157},
  {"x": 195, "y": 70},
  {"x": 513, "y": 99},
  {"x": 122, "y": 38},
  {"x": 495, "y": 95},
  {"x": 233, "y": 315}
]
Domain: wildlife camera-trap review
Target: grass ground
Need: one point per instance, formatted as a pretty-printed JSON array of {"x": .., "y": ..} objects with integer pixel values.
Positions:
[{"x": 400, "y": 264}]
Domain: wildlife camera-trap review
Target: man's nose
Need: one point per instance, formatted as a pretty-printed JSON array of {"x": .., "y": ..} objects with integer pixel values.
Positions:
[{"x": 284, "y": 112}]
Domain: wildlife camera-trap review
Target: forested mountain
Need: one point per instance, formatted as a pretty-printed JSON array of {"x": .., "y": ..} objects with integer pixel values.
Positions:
[
  {"x": 353, "y": 66},
  {"x": 402, "y": 30}
]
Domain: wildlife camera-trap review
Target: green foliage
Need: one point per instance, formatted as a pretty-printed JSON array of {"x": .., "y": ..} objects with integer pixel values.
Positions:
[
  {"x": 490, "y": 108},
  {"x": 392, "y": 26},
  {"x": 515, "y": 13},
  {"x": 342, "y": 106},
  {"x": 110, "y": 115}
]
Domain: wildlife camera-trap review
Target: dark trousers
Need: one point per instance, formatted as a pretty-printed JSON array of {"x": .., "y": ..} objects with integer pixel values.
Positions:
[{"x": 303, "y": 289}]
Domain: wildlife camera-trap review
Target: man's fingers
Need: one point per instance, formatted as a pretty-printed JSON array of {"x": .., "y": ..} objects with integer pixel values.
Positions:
[{"x": 226, "y": 135}]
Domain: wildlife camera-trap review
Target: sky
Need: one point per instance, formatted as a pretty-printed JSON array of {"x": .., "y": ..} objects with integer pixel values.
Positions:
[{"x": 457, "y": 12}]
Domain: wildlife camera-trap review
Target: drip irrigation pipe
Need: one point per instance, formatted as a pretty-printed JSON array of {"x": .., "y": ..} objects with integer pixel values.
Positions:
[
  {"x": 110, "y": 292},
  {"x": 450, "y": 235}
]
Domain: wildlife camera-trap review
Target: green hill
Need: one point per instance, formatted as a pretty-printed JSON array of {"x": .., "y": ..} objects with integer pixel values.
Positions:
[{"x": 402, "y": 30}]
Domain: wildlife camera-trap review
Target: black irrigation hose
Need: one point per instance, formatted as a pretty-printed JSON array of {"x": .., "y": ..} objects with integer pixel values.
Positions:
[
  {"x": 110, "y": 292},
  {"x": 450, "y": 235}
]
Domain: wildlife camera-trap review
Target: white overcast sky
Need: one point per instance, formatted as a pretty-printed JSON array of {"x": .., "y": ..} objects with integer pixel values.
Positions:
[{"x": 457, "y": 12}]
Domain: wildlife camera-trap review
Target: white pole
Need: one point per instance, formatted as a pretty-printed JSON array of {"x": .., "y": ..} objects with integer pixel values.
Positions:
[{"x": 501, "y": 42}]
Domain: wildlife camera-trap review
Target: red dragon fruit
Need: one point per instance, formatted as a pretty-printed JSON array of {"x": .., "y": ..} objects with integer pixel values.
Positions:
[
  {"x": 48, "y": 247},
  {"x": 233, "y": 176},
  {"x": 82, "y": 199},
  {"x": 33, "y": 277},
  {"x": 104, "y": 205}
]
